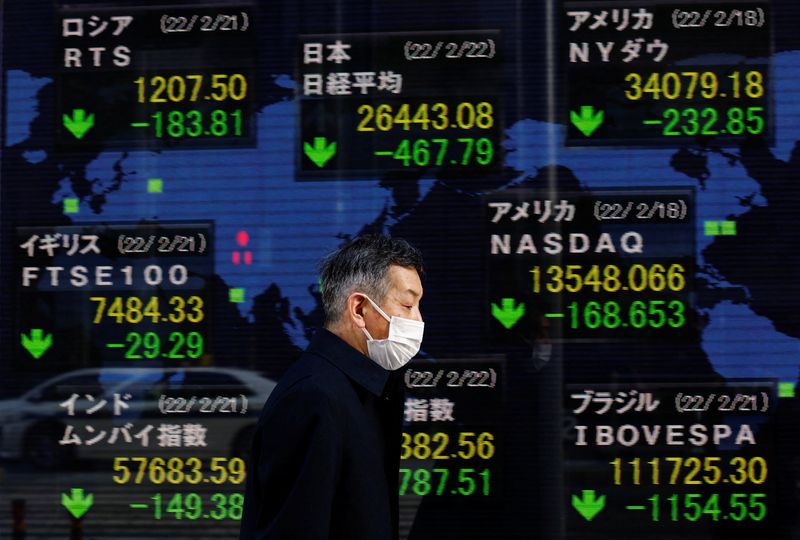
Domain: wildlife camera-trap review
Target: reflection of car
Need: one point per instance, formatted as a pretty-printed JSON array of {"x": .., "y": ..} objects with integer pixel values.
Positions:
[{"x": 32, "y": 425}]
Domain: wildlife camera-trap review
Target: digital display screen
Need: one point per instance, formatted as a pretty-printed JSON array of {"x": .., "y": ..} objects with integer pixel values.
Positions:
[{"x": 602, "y": 191}]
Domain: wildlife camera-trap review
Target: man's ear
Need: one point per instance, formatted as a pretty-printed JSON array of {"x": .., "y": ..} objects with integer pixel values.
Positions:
[{"x": 356, "y": 304}]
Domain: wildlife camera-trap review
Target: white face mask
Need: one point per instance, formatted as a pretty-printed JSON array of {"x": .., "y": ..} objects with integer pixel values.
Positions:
[{"x": 405, "y": 338}]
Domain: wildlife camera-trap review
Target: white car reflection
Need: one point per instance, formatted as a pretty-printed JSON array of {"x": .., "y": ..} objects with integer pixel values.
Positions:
[{"x": 32, "y": 426}]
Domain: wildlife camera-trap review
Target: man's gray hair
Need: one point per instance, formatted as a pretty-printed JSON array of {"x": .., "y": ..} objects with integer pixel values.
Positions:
[{"x": 362, "y": 265}]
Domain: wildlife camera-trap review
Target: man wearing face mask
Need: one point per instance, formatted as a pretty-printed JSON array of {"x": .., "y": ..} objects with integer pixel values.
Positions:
[{"x": 326, "y": 452}]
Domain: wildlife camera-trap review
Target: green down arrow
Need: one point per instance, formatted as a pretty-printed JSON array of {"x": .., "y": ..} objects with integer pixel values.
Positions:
[
  {"x": 508, "y": 315},
  {"x": 588, "y": 505},
  {"x": 37, "y": 344},
  {"x": 587, "y": 121},
  {"x": 321, "y": 152},
  {"x": 77, "y": 503},
  {"x": 79, "y": 124}
]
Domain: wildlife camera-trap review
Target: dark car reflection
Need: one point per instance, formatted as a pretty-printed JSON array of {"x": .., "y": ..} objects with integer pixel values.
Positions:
[{"x": 51, "y": 425}]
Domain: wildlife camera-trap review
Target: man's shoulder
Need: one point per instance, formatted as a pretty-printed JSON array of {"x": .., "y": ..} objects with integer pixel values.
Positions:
[
  {"x": 312, "y": 389},
  {"x": 311, "y": 376},
  {"x": 314, "y": 369}
]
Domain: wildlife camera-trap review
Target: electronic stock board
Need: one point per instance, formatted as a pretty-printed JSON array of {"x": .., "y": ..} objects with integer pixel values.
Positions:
[{"x": 602, "y": 190}]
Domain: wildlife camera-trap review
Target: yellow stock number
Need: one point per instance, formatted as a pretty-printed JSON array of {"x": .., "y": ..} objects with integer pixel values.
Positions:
[
  {"x": 691, "y": 470},
  {"x": 693, "y": 85},
  {"x": 437, "y": 116},
  {"x": 177, "y": 470},
  {"x": 435, "y": 446},
  {"x": 574, "y": 278},
  {"x": 191, "y": 87},
  {"x": 133, "y": 309}
]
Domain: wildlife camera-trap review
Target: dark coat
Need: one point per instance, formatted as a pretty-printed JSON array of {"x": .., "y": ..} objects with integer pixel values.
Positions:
[{"x": 325, "y": 456}]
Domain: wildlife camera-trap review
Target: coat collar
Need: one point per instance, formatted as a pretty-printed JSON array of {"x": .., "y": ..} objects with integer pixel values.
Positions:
[{"x": 361, "y": 369}]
